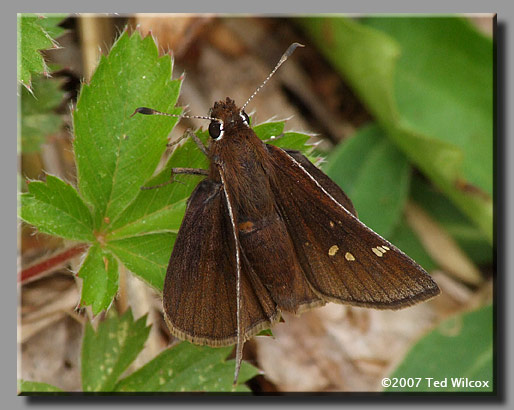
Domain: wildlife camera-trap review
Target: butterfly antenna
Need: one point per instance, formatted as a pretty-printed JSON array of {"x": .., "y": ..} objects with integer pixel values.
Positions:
[
  {"x": 151, "y": 111},
  {"x": 284, "y": 57}
]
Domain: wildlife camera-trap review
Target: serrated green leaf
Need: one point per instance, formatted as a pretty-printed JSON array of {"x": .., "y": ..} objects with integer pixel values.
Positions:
[
  {"x": 188, "y": 368},
  {"x": 372, "y": 62},
  {"x": 55, "y": 207},
  {"x": 161, "y": 209},
  {"x": 165, "y": 219},
  {"x": 273, "y": 133},
  {"x": 375, "y": 175},
  {"x": 460, "y": 347},
  {"x": 38, "y": 119},
  {"x": 268, "y": 130},
  {"x": 99, "y": 274},
  {"x": 147, "y": 256},
  {"x": 50, "y": 23},
  {"x": 108, "y": 352},
  {"x": 31, "y": 39},
  {"x": 116, "y": 154},
  {"x": 25, "y": 386},
  {"x": 291, "y": 140}
]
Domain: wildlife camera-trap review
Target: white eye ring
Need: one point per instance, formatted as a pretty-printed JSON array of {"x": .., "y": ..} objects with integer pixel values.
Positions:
[
  {"x": 244, "y": 117},
  {"x": 212, "y": 131},
  {"x": 222, "y": 132}
]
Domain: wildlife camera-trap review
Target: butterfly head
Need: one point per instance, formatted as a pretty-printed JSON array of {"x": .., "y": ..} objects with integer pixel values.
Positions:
[{"x": 228, "y": 119}]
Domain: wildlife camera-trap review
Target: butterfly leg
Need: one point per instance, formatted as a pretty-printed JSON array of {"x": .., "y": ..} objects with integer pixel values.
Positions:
[
  {"x": 198, "y": 142},
  {"x": 188, "y": 171}
]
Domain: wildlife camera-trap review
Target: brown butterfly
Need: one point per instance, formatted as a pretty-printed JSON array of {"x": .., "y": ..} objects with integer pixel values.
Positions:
[{"x": 267, "y": 232}]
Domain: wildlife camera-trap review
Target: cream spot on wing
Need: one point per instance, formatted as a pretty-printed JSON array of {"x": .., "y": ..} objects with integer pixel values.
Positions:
[
  {"x": 333, "y": 250},
  {"x": 349, "y": 257},
  {"x": 331, "y": 224},
  {"x": 386, "y": 248},
  {"x": 382, "y": 249},
  {"x": 377, "y": 251}
]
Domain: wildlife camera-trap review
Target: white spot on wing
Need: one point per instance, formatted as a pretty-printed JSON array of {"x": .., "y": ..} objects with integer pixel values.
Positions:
[{"x": 349, "y": 257}]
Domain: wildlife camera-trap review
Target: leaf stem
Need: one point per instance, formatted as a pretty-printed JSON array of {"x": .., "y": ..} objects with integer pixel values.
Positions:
[{"x": 51, "y": 263}]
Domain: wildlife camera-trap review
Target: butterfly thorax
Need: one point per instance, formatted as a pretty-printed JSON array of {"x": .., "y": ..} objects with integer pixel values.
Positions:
[{"x": 241, "y": 156}]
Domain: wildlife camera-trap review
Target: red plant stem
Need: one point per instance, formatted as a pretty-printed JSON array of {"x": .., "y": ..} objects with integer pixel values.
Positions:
[{"x": 50, "y": 263}]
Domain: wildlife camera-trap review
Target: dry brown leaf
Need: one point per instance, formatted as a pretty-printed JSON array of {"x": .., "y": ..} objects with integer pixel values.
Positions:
[
  {"x": 172, "y": 31},
  {"x": 340, "y": 348}
]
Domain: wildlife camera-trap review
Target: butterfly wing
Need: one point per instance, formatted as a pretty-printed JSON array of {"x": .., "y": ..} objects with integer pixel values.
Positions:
[
  {"x": 268, "y": 248},
  {"x": 343, "y": 260},
  {"x": 199, "y": 297},
  {"x": 330, "y": 186}
]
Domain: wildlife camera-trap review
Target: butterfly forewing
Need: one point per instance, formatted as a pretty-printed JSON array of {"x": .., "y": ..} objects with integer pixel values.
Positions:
[
  {"x": 330, "y": 186},
  {"x": 200, "y": 286},
  {"x": 344, "y": 261}
]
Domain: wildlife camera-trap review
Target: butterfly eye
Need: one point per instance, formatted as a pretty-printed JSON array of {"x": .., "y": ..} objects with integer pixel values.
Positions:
[
  {"x": 245, "y": 117},
  {"x": 215, "y": 129}
]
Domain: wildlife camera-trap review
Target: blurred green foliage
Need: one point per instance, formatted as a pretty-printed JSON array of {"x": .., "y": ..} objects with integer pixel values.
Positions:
[{"x": 429, "y": 83}]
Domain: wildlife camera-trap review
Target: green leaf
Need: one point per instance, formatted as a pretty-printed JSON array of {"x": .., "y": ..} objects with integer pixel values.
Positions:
[
  {"x": 55, "y": 207},
  {"x": 109, "y": 351},
  {"x": 291, "y": 140},
  {"x": 147, "y": 256},
  {"x": 31, "y": 38},
  {"x": 116, "y": 154},
  {"x": 469, "y": 238},
  {"x": 161, "y": 209},
  {"x": 50, "y": 23},
  {"x": 422, "y": 66},
  {"x": 188, "y": 368},
  {"x": 38, "y": 118},
  {"x": 460, "y": 347},
  {"x": 268, "y": 130},
  {"x": 25, "y": 386},
  {"x": 406, "y": 240},
  {"x": 99, "y": 273},
  {"x": 449, "y": 97},
  {"x": 265, "y": 332},
  {"x": 273, "y": 133},
  {"x": 146, "y": 220},
  {"x": 375, "y": 175}
]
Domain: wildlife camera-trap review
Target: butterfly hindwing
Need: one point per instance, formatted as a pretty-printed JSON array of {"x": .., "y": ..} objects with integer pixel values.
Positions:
[{"x": 268, "y": 248}]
